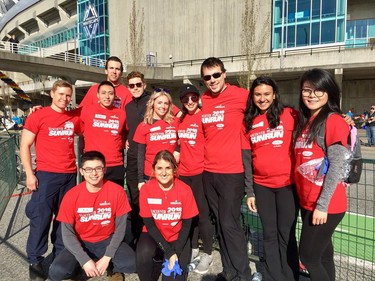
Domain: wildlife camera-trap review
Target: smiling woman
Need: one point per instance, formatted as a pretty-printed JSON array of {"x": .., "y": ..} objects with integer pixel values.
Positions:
[{"x": 158, "y": 131}]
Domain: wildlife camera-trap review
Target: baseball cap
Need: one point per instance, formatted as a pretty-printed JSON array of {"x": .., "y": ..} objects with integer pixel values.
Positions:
[{"x": 187, "y": 89}]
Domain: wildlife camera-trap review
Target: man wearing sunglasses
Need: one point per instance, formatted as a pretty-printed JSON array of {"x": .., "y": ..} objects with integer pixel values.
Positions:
[
  {"x": 223, "y": 107},
  {"x": 135, "y": 110},
  {"x": 113, "y": 70}
]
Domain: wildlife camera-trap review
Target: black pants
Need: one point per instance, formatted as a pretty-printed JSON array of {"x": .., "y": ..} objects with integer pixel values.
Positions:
[
  {"x": 202, "y": 225},
  {"x": 116, "y": 174},
  {"x": 225, "y": 193},
  {"x": 316, "y": 248},
  {"x": 278, "y": 210},
  {"x": 66, "y": 266},
  {"x": 132, "y": 184},
  {"x": 148, "y": 253}
]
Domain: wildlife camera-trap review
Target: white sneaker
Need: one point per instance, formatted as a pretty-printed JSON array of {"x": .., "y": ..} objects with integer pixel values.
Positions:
[
  {"x": 204, "y": 264},
  {"x": 194, "y": 254}
]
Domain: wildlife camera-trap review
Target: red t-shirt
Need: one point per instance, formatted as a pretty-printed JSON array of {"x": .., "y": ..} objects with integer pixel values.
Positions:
[
  {"x": 307, "y": 157},
  {"x": 222, "y": 118},
  {"x": 169, "y": 208},
  {"x": 123, "y": 96},
  {"x": 190, "y": 134},
  {"x": 54, "y": 139},
  {"x": 93, "y": 215},
  {"x": 272, "y": 149},
  {"x": 104, "y": 131},
  {"x": 156, "y": 137}
]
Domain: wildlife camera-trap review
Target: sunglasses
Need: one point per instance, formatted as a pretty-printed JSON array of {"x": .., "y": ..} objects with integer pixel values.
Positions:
[
  {"x": 215, "y": 75},
  {"x": 139, "y": 85},
  {"x": 194, "y": 98},
  {"x": 158, "y": 90}
]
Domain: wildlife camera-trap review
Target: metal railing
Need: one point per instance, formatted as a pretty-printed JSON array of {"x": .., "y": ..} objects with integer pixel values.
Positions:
[
  {"x": 52, "y": 53},
  {"x": 8, "y": 170},
  {"x": 354, "y": 238}
]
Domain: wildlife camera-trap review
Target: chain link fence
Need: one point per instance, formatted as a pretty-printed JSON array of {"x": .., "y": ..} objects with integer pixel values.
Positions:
[{"x": 8, "y": 170}]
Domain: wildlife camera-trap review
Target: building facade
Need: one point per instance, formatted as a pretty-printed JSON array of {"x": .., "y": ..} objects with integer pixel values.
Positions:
[{"x": 169, "y": 39}]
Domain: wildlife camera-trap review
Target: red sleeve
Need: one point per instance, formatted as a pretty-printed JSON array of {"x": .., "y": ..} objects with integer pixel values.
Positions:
[
  {"x": 337, "y": 130},
  {"x": 175, "y": 109},
  {"x": 140, "y": 135},
  {"x": 66, "y": 211},
  {"x": 144, "y": 210},
  {"x": 245, "y": 138},
  {"x": 91, "y": 96},
  {"x": 123, "y": 205}
]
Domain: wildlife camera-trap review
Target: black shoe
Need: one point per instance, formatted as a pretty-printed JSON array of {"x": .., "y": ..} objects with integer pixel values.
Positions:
[
  {"x": 36, "y": 272},
  {"x": 223, "y": 276}
]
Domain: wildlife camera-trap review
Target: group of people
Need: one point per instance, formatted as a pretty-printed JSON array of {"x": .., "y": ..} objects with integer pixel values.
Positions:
[{"x": 182, "y": 167}]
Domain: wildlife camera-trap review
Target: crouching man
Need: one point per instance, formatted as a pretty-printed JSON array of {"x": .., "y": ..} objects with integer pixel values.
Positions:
[{"x": 93, "y": 220}]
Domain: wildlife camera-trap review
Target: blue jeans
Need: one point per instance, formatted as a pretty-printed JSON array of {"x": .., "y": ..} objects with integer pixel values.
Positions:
[
  {"x": 42, "y": 208},
  {"x": 370, "y": 130}
]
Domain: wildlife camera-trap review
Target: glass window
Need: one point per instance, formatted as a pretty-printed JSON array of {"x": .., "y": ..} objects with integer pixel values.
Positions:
[
  {"x": 340, "y": 35},
  {"x": 303, "y": 35},
  {"x": 315, "y": 9},
  {"x": 291, "y": 30},
  {"x": 315, "y": 33},
  {"x": 291, "y": 10},
  {"x": 328, "y": 8},
  {"x": 328, "y": 31},
  {"x": 303, "y": 10}
]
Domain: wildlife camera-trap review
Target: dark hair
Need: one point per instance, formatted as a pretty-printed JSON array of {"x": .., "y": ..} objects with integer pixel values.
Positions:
[
  {"x": 212, "y": 62},
  {"x": 114, "y": 58},
  {"x": 273, "y": 112},
  {"x": 92, "y": 155},
  {"x": 135, "y": 74},
  {"x": 322, "y": 80},
  {"x": 106, "y": 83},
  {"x": 165, "y": 155},
  {"x": 185, "y": 111}
]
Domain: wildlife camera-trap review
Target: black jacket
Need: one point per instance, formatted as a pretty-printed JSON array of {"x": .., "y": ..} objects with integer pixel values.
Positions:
[{"x": 135, "y": 111}]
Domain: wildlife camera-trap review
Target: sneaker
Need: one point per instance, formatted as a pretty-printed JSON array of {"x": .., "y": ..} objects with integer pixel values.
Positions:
[
  {"x": 36, "y": 272},
  {"x": 194, "y": 254},
  {"x": 116, "y": 276},
  {"x": 204, "y": 264}
]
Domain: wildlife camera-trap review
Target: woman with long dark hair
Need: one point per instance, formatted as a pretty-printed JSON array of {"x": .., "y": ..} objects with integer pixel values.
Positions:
[
  {"x": 322, "y": 197},
  {"x": 167, "y": 206},
  {"x": 270, "y": 125}
]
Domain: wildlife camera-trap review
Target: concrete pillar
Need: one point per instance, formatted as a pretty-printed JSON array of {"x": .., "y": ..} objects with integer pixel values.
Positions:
[{"x": 339, "y": 72}]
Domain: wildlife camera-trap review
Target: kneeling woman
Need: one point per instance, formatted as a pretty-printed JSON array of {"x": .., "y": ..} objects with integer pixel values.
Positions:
[{"x": 167, "y": 207}]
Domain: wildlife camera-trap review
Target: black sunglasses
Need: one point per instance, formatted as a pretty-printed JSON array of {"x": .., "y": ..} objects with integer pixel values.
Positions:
[
  {"x": 215, "y": 75},
  {"x": 158, "y": 90},
  {"x": 139, "y": 85},
  {"x": 194, "y": 98}
]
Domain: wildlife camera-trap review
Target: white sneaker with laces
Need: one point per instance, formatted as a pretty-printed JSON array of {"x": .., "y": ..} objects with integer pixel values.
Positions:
[{"x": 204, "y": 264}]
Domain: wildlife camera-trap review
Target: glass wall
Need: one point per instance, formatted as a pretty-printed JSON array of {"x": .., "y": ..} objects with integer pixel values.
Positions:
[
  {"x": 359, "y": 32},
  {"x": 307, "y": 23},
  {"x": 93, "y": 28},
  {"x": 56, "y": 39}
]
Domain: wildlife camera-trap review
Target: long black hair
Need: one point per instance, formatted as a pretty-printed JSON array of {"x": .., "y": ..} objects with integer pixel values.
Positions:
[
  {"x": 324, "y": 81},
  {"x": 273, "y": 112}
]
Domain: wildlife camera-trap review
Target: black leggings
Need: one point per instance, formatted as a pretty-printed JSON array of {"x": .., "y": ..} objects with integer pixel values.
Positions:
[
  {"x": 148, "y": 253},
  {"x": 202, "y": 225},
  {"x": 316, "y": 248},
  {"x": 278, "y": 210}
]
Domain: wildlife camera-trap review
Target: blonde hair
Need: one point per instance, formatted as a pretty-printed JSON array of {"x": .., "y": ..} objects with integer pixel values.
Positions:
[{"x": 149, "y": 115}]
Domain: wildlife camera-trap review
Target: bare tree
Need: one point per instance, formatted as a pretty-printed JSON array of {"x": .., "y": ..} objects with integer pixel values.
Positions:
[
  {"x": 135, "y": 43},
  {"x": 252, "y": 42}
]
